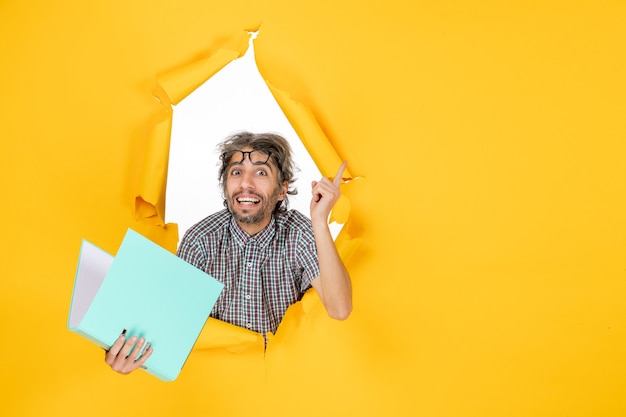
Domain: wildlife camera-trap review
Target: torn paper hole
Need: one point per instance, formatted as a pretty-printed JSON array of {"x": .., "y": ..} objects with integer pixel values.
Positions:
[{"x": 235, "y": 98}]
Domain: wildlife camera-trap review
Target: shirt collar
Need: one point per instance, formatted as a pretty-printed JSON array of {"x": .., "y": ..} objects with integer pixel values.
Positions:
[{"x": 263, "y": 238}]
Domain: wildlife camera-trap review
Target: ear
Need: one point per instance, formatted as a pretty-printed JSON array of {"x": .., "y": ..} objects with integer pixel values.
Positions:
[{"x": 283, "y": 190}]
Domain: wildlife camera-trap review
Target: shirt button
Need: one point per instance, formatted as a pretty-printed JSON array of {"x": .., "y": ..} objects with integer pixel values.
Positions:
[
  {"x": 247, "y": 296},
  {"x": 249, "y": 264},
  {"x": 249, "y": 325}
]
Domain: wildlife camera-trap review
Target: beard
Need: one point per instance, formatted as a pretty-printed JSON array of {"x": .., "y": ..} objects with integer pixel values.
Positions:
[{"x": 258, "y": 213}]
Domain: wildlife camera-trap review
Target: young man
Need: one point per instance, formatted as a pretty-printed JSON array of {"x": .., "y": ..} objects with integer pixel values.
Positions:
[{"x": 266, "y": 256}]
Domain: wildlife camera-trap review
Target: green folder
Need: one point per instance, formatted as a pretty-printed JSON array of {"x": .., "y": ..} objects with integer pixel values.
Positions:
[{"x": 147, "y": 290}]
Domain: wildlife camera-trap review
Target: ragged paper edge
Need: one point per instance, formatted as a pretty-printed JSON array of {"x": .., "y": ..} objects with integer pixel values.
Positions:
[
  {"x": 181, "y": 82},
  {"x": 325, "y": 157},
  {"x": 310, "y": 132},
  {"x": 150, "y": 198},
  {"x": 171, "y": 88},
  {"x": 218, "y": 334}
]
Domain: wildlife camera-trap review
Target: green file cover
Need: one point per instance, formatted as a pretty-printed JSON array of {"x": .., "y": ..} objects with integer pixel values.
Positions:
[{"x": 147, "y": 290}]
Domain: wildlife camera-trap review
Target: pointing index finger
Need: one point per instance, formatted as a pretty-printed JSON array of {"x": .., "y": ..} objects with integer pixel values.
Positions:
[{"x": 337, "y": 180}]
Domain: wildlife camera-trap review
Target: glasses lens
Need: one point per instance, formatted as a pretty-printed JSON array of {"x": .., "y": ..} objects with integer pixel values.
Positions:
[{"x": 258, "y": 157}]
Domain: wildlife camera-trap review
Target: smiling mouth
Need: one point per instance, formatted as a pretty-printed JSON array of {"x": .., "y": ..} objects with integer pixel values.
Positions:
[{"x": 248, "y": 201}]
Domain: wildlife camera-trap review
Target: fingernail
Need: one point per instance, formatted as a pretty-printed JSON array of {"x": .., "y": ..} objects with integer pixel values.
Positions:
[{"x": 123, "y": 332}]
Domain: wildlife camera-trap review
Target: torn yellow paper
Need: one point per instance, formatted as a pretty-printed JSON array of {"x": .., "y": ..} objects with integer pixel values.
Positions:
[
  {"x": 172, "y": 87},
  {"x": 150, "y": 199},
  {"x": 346, "y": 245},
  {"x": 219, "y": 334},
  {"x": 294, "y": 316},
  {"x": 180, "y": 82},
  {"x": 340, "y": 211},
  {"x": 310, "y": 132}
]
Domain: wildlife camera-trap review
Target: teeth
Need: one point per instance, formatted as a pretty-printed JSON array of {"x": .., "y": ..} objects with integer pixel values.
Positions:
[{"x": 248, "y": 200}]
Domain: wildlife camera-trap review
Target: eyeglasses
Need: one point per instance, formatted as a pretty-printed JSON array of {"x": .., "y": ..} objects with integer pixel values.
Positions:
[{"x": 256, "y": 157}]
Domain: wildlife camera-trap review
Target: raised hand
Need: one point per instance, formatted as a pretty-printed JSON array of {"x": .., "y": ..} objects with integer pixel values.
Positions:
[{"x": 325, "y": 194}]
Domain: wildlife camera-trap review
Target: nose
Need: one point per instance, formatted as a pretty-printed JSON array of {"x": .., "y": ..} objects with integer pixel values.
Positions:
[{"x": 246, "y": 177}]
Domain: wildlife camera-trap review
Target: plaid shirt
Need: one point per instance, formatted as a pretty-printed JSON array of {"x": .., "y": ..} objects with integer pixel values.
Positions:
[{"x": 262, "y": 274}]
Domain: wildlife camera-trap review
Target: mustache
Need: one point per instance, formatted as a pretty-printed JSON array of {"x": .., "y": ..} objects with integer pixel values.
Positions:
[{"x": 238, "y": 193}]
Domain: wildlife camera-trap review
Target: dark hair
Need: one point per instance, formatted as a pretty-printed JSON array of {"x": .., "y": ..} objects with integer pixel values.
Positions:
[{"x": 271, "y": 143}]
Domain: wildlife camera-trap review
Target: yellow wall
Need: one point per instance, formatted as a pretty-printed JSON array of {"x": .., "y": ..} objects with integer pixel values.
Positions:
[{"x": 491, "y": 276}]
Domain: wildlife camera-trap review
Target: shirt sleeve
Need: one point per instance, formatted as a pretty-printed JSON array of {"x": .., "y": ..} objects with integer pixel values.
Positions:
[{"x": 190, "y": 252}]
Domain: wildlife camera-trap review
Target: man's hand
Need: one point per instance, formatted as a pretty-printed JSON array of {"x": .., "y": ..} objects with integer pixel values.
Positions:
[
  {"x": 325, "y": 195},
  {"x": 125, "y": 355},
  {"x": 333, "y": 284}
]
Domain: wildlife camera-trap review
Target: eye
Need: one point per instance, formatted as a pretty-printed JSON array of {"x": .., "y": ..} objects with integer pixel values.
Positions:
[
  {"x": 235, "y": 172},
  {"x": 261, "y": 172}
]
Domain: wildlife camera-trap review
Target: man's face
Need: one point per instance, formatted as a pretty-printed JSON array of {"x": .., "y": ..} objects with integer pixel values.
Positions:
[{"x": 252, "y": 189}]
